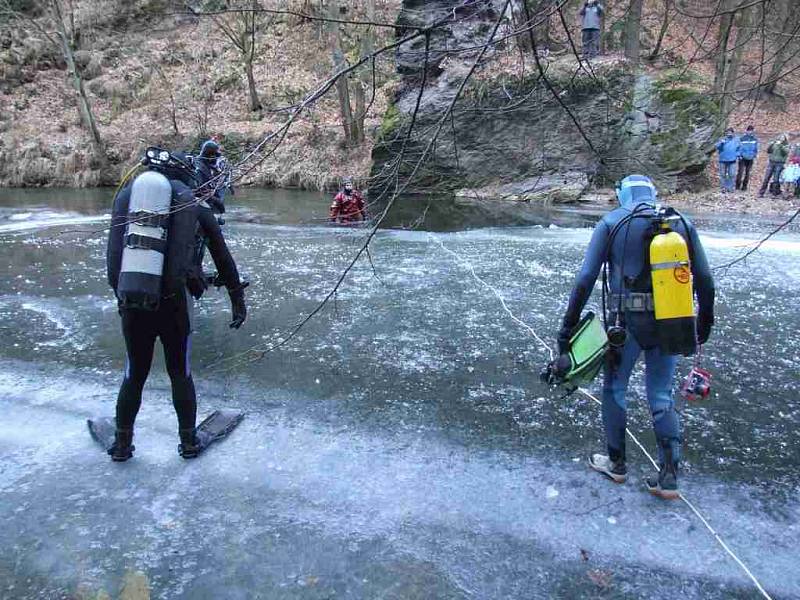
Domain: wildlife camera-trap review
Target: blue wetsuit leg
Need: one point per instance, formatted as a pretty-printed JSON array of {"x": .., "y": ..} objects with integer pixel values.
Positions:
[
  {"x": 659, "y": 375},
  {"x": 615, "y": 386}
]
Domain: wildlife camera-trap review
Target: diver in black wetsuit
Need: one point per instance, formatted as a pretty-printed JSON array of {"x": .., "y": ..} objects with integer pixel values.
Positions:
[
  {"x": 212, "y": 178},
  {"x": 168, "y": 315}
]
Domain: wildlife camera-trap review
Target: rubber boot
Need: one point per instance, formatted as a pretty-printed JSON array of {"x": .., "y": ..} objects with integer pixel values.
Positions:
[
  {"x": 122, "y": 448},
  {"x": 188, "y": 448},
  {"x": 665, "y": 484}
]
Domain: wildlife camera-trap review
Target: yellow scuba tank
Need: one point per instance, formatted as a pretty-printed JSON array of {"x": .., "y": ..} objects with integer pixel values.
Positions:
[{"x": 673, "y": 296}]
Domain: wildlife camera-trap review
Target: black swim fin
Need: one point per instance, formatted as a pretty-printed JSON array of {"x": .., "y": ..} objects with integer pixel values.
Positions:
[
  {"x": 102, "y": 431},
  {"x": 216, "y": 426}
]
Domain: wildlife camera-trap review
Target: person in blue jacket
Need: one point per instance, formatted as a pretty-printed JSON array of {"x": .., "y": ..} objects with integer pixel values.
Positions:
[
  {"x": 748, "y": 150},
  {"x": 622, "y": 239},
  {"x": 728, "y": 149}
]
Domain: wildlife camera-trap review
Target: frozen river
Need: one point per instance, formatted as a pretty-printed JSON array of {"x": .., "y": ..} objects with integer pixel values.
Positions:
[{"x": 401, "y": 445}]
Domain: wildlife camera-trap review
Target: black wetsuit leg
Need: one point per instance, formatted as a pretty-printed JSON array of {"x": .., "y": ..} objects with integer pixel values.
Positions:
[
  {"x": 176, "y": 338},
  {"x": 140, "y": 332},
  {"x": 141, "y": 328}
]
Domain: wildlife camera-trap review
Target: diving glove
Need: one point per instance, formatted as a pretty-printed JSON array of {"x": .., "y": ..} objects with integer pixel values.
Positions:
[
  {"x": 555, "y": 370},
  {"x": 238, "y": 308}
]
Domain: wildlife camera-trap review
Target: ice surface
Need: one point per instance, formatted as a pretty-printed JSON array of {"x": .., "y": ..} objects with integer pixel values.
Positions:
[{"x": 399, "y": 447}]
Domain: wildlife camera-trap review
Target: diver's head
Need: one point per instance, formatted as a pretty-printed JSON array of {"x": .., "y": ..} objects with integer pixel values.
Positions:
[
  {"x": 348, "y": 186},
  {"x": 173, "y": 165},
  {"x": 210, "y": 151},
  {"x": 635, "y": 189}
]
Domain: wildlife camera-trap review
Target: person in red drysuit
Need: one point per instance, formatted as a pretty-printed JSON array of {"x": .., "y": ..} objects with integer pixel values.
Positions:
[{"x": 348, "y": 205}]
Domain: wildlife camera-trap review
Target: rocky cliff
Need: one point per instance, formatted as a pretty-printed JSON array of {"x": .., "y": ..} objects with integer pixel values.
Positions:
[{"x": 509, "y": 137}]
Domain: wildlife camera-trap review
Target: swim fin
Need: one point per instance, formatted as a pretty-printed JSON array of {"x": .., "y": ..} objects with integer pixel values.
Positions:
[
  {"x": 216, "y": 426},
  {"x": 102, "y": 431}
]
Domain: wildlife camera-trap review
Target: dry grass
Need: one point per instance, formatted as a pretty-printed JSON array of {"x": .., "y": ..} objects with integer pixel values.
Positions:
[{"x": 149, "y": 65}]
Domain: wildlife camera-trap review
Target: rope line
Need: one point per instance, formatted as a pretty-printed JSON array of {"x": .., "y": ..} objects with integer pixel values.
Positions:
[{"x": 466, "y": 264}]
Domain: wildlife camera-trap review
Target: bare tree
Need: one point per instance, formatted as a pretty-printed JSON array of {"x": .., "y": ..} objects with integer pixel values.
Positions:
[
  {"x": 723, "y": 41},
  {"x": 788, "y": 20},
  {"x": 742, "y": 25},
  {"x": 662, "y": 32},
  {"x": 366, "y": 78},
  {"x": 633, "y": 27},
  {"x": 55, "y": 17},
  {"x": 541, "y": 27},
  {"x": 240, "y": 26},
  {"x": 351, "y": 133}
]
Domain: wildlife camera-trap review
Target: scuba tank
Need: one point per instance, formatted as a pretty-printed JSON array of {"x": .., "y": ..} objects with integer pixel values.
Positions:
[
  {"x": 145, "y": 242},
  {"x": 673, "y": 296}
]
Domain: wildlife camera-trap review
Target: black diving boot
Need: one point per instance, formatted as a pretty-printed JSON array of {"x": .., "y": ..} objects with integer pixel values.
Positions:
[
  {"x": 122, "y": 448},
  {"x": 611, "y": 465},
  {"x": 665, "y": 483},
  {"x": 188, "y": 448}
]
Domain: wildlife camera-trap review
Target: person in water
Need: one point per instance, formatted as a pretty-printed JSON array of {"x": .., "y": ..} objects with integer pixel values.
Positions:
[
  {"x": 348, "y": 205},
  {"x": 155, "y": 301},
  {"x": 622, "y": 239},
  {"x": 212, "y": 176}
]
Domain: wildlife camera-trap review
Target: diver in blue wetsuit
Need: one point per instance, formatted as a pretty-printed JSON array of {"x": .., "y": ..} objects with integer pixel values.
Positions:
[{"x": 621, "y": 241}]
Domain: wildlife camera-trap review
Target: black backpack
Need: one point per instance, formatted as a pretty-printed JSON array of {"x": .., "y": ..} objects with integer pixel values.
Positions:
[{"x": 775, "y": 188}]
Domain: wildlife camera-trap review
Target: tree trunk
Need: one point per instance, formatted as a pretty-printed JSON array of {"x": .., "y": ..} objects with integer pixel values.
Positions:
[
  {"x": 84, "y": 106},
  {"x": 779, "y": 62},
  {"x": 339, "y": 63},
  {"x": 633, "y": 27},
  {"x": 365, "y": 81},
  {"x": 255, "y": 102},
  {"x": 725, "y": 28},
  {"x": 742, "y": 31},
  {"x": 662, "y": 32},
  {"x": 517, "y": 8},
  {"x": 249, "y": 47},
  {"x": 542, "y": 30}
]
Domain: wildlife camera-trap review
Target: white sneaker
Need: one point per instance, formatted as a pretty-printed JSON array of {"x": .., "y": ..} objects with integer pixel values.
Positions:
[{"x": 616, "y": 472}]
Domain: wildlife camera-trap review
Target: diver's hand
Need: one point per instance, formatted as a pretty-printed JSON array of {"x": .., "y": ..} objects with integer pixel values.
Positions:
[{"x": 238, "y": 308}]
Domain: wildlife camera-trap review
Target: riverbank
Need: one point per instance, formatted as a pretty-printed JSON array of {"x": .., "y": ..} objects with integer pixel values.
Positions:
[{"x": 710, "y": 202}]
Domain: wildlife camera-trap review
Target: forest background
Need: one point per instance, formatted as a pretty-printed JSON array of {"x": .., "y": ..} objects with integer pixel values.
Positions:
[{"x": 87, "y": 85}]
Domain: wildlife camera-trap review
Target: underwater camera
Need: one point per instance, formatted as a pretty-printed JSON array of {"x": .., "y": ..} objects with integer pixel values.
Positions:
[{"x": 696, "y": 385}]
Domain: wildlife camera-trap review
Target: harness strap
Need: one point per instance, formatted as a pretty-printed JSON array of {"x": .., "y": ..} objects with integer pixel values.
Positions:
[
  {"x": 669, "y": 265},
  {"x": 148, "y": 219},
  {"x": 143, "y": 242},
  {"x": 633, "y": 302}
]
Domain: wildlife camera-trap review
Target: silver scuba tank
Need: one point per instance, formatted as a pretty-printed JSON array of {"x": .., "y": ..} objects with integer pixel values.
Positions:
[{"x": 145, "y": 242}]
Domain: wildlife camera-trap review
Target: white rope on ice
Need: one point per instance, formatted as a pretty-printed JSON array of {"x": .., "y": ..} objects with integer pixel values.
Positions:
[{"x": 466, "y": 264}]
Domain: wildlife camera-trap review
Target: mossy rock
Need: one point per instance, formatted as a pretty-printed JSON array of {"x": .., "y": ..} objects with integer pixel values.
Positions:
[{"x": 392, "y": 119}]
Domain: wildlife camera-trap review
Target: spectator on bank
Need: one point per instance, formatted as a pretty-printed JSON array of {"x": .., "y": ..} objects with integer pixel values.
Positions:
[
  {"x": 778, "y": 152},
  {"x": 728, "y": 149},
  {"x": 591, "y": 16},
  {"x": 748, "y": 150},
  {"x": 791, "y": 172}
]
